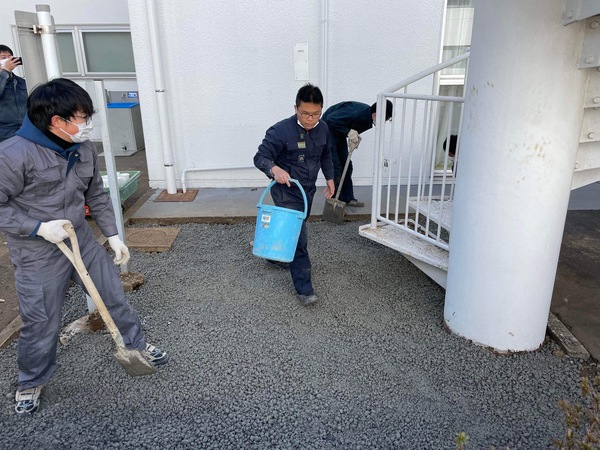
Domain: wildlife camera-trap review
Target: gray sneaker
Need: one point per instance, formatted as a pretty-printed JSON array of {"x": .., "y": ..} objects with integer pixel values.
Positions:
[
  {"x": 28, "y": 400},
  {"x": 155, "y": 355},
  {"x": 307, "y": 300},
  {"x": 355, "y": 203}
]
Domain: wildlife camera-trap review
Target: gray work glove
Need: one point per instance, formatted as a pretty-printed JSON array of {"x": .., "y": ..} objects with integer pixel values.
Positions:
[
  {"x": 53, "y": 230},
  {"x": 120, "y": 249},
  {"x": 353, "y": 140}
]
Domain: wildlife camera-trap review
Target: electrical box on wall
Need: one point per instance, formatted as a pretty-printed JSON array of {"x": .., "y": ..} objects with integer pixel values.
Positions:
[
  {"x": 125, "y": 125},
  {"x": 301, "y": 62}
]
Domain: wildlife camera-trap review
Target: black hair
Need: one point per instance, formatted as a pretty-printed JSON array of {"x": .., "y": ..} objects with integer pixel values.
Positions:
[
  {"x": 58, "y": 97},
  {"x": 453, "y": 142},
  {"x": 389, "y": 109},
  {"x": 5, "y": 48},
  {"x": 309, "y": 94}
]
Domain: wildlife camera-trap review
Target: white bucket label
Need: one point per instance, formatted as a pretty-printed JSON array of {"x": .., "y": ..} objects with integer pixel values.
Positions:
[{"x": 265, "y": 221}]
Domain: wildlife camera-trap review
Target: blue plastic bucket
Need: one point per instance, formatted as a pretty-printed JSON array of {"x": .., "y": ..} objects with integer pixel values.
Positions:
[{"x": 278, "y": 229}]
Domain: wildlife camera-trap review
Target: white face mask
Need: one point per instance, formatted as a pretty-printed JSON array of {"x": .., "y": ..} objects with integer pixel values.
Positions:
[{"x": 84, "y": 133}]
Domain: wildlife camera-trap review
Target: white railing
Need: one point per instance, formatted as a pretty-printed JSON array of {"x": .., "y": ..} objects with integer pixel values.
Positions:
[{"x": 413, "y": 183}]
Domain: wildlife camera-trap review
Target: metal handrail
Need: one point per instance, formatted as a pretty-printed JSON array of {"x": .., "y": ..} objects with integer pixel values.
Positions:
[{"x": 418, "y": 121}]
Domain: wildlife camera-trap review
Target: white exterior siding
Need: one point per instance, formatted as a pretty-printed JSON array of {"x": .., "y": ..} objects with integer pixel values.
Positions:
[{"x": 229, "y": 73}]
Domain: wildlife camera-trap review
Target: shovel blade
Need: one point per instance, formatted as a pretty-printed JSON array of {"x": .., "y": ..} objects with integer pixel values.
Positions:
[
  {"x": 134, "y": 362},
  {"x": 333, "y": 211}
]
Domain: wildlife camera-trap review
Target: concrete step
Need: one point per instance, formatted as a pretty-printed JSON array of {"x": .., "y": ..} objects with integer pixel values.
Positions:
[{"x": 432, "y": 260}]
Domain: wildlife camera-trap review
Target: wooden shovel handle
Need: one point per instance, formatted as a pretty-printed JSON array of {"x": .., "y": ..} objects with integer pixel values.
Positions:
[{"x": 75, "y": 257}]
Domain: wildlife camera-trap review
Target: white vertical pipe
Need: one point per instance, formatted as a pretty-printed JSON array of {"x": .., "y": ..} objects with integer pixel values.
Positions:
[
  {"x": 523, "y": 112},
  {"x": 48, "y": 41},
  {"x": 111, "y": 168},
  {"x": 159, "y": 88},
  {"x": 325, "y": 50}
]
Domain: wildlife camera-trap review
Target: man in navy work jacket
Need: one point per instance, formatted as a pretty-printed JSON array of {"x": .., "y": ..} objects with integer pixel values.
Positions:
[
  {"x": 297, "y": 148},
  {"x": 48, "y": 172},
  {"x": 347, "y": 120},
  {"x": 13, "y": 94}
]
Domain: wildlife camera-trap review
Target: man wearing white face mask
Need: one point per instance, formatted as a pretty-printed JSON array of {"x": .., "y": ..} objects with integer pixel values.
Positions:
[{"x": 48, "y": 172}]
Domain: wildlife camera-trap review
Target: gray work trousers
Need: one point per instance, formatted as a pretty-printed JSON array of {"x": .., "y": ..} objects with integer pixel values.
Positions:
[{"x": 42, "y": 275}]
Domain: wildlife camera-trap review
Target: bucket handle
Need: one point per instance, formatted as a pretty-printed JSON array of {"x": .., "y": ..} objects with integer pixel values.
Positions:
[{"x": 301, "y": 190}]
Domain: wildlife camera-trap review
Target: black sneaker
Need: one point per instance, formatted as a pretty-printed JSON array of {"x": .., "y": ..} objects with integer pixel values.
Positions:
[
  {"x": 306, "y": 300},
  {"x": 155, "y": 355},
  {"x": 28, "y": 400}
]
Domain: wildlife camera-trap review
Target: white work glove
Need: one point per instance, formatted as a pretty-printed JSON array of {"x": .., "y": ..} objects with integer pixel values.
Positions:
[
  {"x": 53, "y": 230},
  {"x": 120, "y": 249},
  {"x": 353, "y": 140}
]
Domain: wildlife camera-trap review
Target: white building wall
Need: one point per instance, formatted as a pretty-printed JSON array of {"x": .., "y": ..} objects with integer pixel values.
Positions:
[{"x": 229, "y": 73}]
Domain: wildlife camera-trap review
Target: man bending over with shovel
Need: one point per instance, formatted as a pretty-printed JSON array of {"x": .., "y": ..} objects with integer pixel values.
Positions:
[
  {"x": 346, "y": 121},
  {"x": 49, "y": 171},
  {"x": 297, "y": 148}
]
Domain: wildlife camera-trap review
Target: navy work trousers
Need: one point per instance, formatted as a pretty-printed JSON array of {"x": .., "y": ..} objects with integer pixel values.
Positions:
[
  {"x": 300, "y": 267},
  {"x": 42, "y": 278}
]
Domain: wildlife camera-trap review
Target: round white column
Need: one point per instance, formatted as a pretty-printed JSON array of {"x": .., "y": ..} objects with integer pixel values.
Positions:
[
  {"x": 49, "y": 45},
  {"x": 523, "y": 111}
]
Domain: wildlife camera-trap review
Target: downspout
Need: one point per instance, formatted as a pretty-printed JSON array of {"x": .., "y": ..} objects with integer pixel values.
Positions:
[
  {"x": 47, "y": 34},
  {"x": 325, "y": 49},
  {"x": 161, "y": 95}
]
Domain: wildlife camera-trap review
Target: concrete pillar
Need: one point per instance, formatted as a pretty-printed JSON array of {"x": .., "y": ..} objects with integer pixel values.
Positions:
[{"x": 523, "y": 111}]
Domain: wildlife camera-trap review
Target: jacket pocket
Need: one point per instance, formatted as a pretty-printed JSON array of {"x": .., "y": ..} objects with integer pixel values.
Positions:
[
  {"x": 84, "y": 172},
  {"x": 46, "y": 180}
]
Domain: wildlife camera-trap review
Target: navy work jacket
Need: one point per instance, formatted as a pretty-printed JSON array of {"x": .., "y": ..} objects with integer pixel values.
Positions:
[{"x": 299, "y": 152}]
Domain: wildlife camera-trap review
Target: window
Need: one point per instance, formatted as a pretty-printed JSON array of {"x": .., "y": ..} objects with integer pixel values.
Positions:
[
  {"x": 457, "y": 40},
  {"x": 457, "y": 35},
  {"x": 95, "y": 51}
]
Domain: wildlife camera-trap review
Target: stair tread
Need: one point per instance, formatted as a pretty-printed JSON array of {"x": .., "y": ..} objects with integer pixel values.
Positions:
[
  {"x": 406, "y": 243},
  {"x": 434, "y": 210}
]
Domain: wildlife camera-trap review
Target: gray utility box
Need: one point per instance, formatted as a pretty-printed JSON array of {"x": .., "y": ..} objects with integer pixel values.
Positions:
[{"x": 125, "y": 127}]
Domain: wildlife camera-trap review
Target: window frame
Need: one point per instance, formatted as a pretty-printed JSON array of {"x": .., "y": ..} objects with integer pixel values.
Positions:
[{"x": 77, "y": 32}]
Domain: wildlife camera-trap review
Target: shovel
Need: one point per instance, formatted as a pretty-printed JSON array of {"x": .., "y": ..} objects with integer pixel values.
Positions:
[
  {"x": 334, "y": 209},
  {"x": 132, "y": 360}
]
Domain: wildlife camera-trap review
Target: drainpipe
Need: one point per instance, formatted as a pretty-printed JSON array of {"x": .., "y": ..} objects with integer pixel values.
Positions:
[
  {"x": 47, "y": 33},
  {"x": 161, "y": 97},
  {"x": 325, "y": 49},
  {"x": 194, "y": 169}
]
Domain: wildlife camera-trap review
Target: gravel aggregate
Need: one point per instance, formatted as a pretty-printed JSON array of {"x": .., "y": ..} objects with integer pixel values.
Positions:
[{"x": 370, "y": 366}]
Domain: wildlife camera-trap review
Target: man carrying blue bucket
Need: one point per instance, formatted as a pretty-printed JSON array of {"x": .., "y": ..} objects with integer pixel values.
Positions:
[{"x": 296, "y": 147}]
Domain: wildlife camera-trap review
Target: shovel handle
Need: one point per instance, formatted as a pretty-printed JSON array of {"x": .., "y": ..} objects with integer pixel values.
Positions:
[
  {"x": 337, "y": 194},
  {"x": 75, "y": 257}
]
